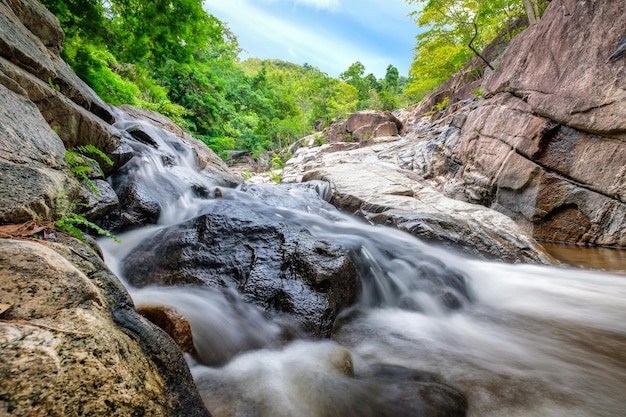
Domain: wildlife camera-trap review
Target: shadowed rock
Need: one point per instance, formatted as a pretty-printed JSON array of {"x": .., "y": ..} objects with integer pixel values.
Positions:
[{"x": 273, "y": 264}]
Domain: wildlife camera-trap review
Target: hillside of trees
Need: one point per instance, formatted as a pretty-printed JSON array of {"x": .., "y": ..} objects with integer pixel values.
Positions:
[{"x": 175, "y": 58}]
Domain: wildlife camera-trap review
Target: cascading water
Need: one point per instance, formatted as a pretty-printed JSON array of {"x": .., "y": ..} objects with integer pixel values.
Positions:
[{"x": 517, "y": 340}]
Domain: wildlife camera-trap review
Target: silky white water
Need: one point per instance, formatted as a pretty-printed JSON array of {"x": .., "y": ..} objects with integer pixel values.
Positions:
[
  {"x": 526, "y": 341},
  {"x": 534, "y": 340}
]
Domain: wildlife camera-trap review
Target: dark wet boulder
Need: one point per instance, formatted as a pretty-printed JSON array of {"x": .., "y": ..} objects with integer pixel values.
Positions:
[
  {"x": 324, "y": 385},
  {"x": 246, "y": 246},
  {"x": 398, "y": 391}
]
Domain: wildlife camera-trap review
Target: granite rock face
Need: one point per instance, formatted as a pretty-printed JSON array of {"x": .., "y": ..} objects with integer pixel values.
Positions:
[
  {"x": 33, "y": 173},
  {"x": 549, "y": 148},
  {"x": 367, "y": 181},
  {"x": 562, "y": 68},
  {"x": 73, "y": 345}
]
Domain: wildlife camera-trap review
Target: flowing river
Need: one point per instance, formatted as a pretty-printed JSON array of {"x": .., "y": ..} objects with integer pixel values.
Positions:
[{"x": 526, "y": 341}]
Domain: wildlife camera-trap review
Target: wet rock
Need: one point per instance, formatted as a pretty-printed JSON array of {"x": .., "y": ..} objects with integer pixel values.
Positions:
[
  {"x": 72, "y": 344},
  {"x": 138, "y": 205},
  {"x": 172, "y": 322},
  {"x": 101, "y": 204},
  {"x": 245, "y": 246},
  {"x": 386, "y": 196}
]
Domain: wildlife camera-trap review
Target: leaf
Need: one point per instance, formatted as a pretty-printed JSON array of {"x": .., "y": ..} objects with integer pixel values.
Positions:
[
  {"x": 4, "y": 308},
  {"x": 24, "y": 229}
]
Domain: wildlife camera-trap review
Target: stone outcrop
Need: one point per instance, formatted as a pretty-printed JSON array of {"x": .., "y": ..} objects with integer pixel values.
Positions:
[
  {"x": 367, "y": 181},
  {"x": 30, "y": 66},
  {"x": 561, "y": 67},
  {"x": 73, "y": 345},
  {"x": 548, "y": 148},
  {"x": 559, "y": 183},
  {"x": 363, "y": 127},
  {"x": 33, "y": 173}
]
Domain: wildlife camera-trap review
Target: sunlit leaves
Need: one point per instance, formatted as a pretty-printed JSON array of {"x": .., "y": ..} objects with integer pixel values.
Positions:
[{"x": 457, "y": 30}]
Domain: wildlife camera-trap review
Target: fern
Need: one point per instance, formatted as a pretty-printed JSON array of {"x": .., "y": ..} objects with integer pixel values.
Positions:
[
  {"x": 69, "y": 222},
  {"x": 85, "y": 149},
  {"x": 81, "y": 166}
]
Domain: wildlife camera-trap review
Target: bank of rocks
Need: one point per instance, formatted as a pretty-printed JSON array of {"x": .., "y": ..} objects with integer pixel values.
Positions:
[{"x": 546, "y": 146}]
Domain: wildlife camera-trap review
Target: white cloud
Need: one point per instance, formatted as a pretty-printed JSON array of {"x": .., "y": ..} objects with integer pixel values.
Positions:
[
  {"x": 317, "y": 4},
  {"x": 266, "y": 35},
  {"x": 320, "y": 4}
]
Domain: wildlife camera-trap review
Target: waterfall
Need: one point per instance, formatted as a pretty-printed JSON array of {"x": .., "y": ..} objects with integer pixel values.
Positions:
[{"x": 516, "y": 340}]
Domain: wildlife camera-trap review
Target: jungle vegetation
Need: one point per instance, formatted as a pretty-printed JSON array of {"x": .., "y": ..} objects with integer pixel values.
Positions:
[{"x": 176, "y": 58}]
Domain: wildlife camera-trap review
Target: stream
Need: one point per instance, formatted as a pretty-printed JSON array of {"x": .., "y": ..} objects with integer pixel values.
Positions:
[{"x": 521, "y": 340}]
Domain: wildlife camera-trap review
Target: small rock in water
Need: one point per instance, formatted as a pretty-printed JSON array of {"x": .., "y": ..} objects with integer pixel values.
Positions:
[{"x": 172, "y": 323}]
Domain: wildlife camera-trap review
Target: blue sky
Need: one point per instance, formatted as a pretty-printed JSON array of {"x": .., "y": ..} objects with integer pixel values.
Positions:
[{"x": 328, "y": 34}]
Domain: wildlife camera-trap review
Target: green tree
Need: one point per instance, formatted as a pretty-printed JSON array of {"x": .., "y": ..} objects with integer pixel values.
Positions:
[
  {"x": 392, "y": 78},
  {"x": 457, "y": 30},
  {"x": 173, "y": 57},
  {"x": 355, "y": 76}
]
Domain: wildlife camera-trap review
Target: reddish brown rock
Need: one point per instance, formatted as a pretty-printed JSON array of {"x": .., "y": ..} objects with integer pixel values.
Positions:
[
  {"x": 363, "y": 126},
  {"x": 172, "y": 322},
  {"x": 561, "y": 66}
]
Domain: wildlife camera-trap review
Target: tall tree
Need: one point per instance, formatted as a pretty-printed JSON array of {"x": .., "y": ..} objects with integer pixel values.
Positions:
[{"x": 392, "y": 77}]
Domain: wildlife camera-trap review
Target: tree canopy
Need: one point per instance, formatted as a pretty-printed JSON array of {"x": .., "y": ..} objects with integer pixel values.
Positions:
[
  {"x": 456, "y": 31},
  {"x": 175, "y": 58}
]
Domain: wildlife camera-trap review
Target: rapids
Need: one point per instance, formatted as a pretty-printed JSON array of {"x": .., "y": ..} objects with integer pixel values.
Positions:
[{"x": 520, "y": 340}]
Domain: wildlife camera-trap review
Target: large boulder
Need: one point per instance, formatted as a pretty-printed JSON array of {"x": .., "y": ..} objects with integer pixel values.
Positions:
[
  {"x": 384, "y": 195},
  {"x": 72, "y": 344},
  {"x": 243, "y": 245},
  {"x": 363, "y": 126}
]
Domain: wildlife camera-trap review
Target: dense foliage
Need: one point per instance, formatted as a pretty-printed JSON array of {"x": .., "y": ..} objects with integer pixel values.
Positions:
[
  {"x": 173, "y": 57},
  {"x": 456, "y": 32}
]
